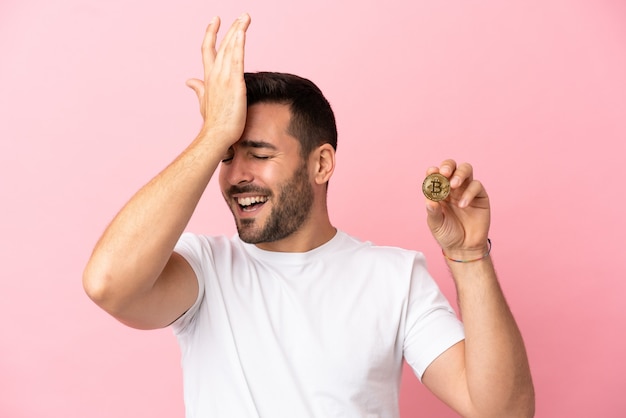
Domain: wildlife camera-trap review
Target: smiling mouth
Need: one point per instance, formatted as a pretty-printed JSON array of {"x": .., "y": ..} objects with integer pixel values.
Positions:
[{"x": 251, "y": 203}]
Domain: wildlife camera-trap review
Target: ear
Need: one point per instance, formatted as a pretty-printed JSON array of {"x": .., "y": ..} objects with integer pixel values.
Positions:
[{"x": 323, "y": 163}]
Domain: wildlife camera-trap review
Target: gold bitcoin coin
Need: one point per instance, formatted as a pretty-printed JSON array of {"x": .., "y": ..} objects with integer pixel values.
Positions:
[{"x": 436, "y": 187}]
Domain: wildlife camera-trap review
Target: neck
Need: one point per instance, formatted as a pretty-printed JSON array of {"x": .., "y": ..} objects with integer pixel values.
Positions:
[{"x": 316, "y": 231}]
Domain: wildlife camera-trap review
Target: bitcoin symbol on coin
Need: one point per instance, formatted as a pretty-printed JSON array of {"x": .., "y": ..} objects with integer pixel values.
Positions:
[{"x": 436, "y": 187}]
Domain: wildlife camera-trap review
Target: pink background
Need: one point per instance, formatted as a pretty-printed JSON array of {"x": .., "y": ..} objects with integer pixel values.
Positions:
[{"x": 533, "y": 93}]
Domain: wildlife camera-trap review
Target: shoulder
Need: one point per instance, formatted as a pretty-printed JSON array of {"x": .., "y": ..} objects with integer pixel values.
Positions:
[
  {"x": 201, "y": 250},
  {"x": 384, "y": 260},
  {"x": 370, "y": 250},
  {"x": 196, "y": 242}
]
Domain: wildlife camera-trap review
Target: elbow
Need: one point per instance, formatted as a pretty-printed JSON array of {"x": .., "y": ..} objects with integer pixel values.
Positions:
[
  {"x": 520, "y": 404},
  {"x": 525, "y": 411},
  {"x": 103, "y": 289},
  {"x": 523, "y": 405},
  {"x": 527, "y": 404},
  {"x": 116, "y": 294},
  {"x": 96, "y": 285},
  {"x": 525, "y": 398},
  {"x": 522, "y": 411}
]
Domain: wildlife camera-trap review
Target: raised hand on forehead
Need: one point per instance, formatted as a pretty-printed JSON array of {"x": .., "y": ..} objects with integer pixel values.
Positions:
[{"x": 222, "y": 92}]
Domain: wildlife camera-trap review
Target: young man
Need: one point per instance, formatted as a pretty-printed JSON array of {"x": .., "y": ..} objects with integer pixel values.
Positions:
[{"x": 293, "y": 318}]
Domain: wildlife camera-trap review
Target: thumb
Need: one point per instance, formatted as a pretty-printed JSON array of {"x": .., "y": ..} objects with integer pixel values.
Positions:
[
  {"x": 434, "y": 214},
  {"x": 196, "y": 85}
]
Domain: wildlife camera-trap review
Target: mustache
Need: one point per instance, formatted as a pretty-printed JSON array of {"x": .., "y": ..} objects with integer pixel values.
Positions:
[{"x": 248, "y": 188}]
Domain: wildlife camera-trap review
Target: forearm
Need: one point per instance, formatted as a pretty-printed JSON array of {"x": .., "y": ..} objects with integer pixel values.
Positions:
[
  {"x": 498, "y": 375},
  {"x": 137, "y": 244}
]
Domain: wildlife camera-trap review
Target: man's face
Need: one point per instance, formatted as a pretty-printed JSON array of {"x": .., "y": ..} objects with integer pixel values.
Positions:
[{"x": 264, "y": 179}]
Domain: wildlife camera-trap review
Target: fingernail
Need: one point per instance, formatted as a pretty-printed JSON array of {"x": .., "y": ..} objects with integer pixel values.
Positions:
[{"x": 455, "y": 181}]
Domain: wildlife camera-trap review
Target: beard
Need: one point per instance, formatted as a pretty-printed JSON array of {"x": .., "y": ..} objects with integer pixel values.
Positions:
[{"x": 290, "y": 210}]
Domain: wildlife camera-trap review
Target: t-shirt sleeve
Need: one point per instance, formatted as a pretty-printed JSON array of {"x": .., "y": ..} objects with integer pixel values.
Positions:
[
  {"x": 190, "y": 247},
  {"x": 432, "y": 326}
]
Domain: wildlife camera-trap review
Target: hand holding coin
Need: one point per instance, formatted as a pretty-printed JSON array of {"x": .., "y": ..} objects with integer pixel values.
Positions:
[
  {"x": 436, "y": 187},
  {"x": 461, "y": 224}
]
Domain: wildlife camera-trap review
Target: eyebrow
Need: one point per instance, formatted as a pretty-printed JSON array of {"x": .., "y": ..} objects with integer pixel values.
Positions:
[{"x": 249, "y": 143}]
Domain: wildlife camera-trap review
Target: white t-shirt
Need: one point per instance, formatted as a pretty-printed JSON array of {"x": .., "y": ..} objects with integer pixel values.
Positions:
[{"x": 315, "y": 334}]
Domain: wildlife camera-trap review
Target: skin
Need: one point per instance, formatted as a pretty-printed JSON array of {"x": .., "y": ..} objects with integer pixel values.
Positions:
[
  {"x": 145, "y": 285},
  {"x": 491, "y": 365},
  {"x": 266, "y": 162}
]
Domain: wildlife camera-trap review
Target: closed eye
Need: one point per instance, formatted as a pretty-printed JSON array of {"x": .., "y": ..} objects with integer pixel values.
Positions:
[{"x": 228, "y": 157}]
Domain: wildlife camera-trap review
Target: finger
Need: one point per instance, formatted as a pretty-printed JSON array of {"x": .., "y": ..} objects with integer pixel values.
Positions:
[
  {"x": 432, "y": 170},
  {"x": 237, "y": 48},
  {"x": 208, "y": 46},
  {"x": 227, "y": 41},
  {"x": 464, "y": 173},
  {"x": 472, "y": 193},
  {"x": 447, "y": 167},
  {"x": 231, "y": 47}
]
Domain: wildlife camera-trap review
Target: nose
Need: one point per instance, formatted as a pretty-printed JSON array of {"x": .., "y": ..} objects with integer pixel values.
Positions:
[{"x": 237, "y": 171}]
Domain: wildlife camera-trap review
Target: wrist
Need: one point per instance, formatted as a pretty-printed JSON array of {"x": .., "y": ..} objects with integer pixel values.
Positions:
[
  {"x": 468, "y": 255},
  {"x": 216, "y": 140},
  {"x": 217, "y": 135}
]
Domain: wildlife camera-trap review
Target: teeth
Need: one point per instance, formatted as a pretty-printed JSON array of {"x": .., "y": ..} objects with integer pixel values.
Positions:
[{"x": 247, "y": 201}]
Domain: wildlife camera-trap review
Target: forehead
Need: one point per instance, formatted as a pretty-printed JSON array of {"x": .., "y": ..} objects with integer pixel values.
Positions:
[
  {"x": 268, "y": 122},
  {"x": 267, "y": 118}
]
